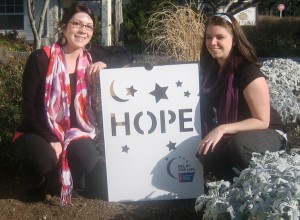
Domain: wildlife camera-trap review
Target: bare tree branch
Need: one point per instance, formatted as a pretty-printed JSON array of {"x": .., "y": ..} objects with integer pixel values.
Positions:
[
  {"x": 30, "y": 7},
  {"x": 37, "y": 32},
  {"x": 242, "y": 5},
  {"x": 226, "y": 7},
  {"x": 230, "y": 6},
  {"x": 42, "y": 17}
]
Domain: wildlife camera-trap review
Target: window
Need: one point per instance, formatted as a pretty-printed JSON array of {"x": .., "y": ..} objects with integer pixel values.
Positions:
[{"x": 11, "y": 14}]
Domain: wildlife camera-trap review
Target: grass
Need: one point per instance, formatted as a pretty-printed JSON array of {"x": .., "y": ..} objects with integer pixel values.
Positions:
[{"x": 176, "y": 32}]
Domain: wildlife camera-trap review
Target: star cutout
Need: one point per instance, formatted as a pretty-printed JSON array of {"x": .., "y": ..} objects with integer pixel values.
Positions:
[
  {"x": 178, "y": 83},
  {"x": 159, "y": 92},
  {"x": 171, "y": 146},
  {"x": 125, "y": 149},
  {"x": 187, "y": 94},
  {"x": 131, "y": 91}
]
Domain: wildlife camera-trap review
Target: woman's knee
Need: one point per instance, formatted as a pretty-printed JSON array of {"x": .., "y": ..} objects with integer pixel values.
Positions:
[
  {"x": 240, "y": 151},
  {"x": 242, "y": 145},
  {"x": 82, "y": 153},
  {"x": 35, "y": 153}
]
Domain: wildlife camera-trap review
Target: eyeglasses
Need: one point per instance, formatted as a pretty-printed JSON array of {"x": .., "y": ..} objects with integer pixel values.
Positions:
[{"x": 78, "y": 24}]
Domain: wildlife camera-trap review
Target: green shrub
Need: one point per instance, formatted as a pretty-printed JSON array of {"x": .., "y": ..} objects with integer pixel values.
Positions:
[
  {"x": 275, "y": 37},
  {"x": 12, "y": 42},
  {"x": 10, "y": 103}
]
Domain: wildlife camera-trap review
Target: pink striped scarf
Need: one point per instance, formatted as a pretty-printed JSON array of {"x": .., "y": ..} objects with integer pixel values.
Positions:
[{"x": 57, "y": 103}]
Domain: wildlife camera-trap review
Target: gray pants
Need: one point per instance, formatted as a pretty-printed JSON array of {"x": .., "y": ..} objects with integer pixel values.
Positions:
[{"x": 236, "y": 151}]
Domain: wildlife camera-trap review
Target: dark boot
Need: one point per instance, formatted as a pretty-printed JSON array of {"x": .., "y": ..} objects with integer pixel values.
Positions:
[
  {"x": 35, "y": 186},
  {"x": 53, "y": 186},
  {"x": 96, "y": 182}
]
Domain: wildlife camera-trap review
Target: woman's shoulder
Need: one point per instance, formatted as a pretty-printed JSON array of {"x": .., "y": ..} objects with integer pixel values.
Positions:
[
  {"x": 37, "y": 61},
  {"x": 251, "y": 68},
  {"x": 248, "y": 73},
  {"x": 38, "y": 55}
]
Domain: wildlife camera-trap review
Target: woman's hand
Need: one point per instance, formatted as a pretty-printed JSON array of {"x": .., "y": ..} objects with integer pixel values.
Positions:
[
  {"x": 57, "y": 148},
  {"x": 93, "y": 70},
  {"x": 257, "y": 97},
  {"x": 210, "y": 140}
]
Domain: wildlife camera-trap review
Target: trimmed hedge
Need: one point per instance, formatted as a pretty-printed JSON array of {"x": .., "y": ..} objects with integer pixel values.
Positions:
[
  {"x": 11, "y": 70},
  {"x": 275, "y": 36}
]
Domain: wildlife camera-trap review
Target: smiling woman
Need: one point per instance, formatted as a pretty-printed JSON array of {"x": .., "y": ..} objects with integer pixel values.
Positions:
[
  {"x": 58, "y": 124},
  {"x": 237, "y": 119},
  {"x": 219, "y": 43}
]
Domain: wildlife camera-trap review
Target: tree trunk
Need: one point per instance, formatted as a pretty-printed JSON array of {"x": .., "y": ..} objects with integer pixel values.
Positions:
[
  {"x": 119, "y": 29},
  {"x": 37, "y": 31},
  {"x": 106, "y": 22}
]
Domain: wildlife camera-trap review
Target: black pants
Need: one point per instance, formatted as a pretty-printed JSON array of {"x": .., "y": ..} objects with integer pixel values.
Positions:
[
  {"x": 39, "y": 164},
  {"x": 237, "y": 150}
]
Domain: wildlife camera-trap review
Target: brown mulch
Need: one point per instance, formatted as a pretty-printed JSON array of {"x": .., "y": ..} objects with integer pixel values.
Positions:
[{"x": 13, "y": 203}]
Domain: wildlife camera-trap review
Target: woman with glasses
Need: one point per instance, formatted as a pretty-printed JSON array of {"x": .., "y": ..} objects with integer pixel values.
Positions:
[
  {"x": 236, "y": 115},
  {"x": 57, "y": 131}
]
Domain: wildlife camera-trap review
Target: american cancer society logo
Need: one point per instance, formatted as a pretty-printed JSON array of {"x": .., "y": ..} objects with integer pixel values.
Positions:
[{"x": 179, "y": 168}]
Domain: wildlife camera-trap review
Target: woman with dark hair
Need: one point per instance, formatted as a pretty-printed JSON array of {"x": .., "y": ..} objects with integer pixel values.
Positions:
[
  {"x": 237, "y": 118},
  {"x": 58, "y": 126}
]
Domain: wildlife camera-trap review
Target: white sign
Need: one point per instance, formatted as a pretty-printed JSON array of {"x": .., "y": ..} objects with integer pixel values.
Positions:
[
  {"x": 151, "y": 122},
  {"x": 246, "y": 17}
]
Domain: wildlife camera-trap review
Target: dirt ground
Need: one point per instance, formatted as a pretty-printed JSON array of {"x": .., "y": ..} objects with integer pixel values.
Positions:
[{"x": 13, "y": 205}]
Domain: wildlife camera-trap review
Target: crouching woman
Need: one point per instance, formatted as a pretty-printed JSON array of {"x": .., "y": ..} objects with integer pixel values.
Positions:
[{"x": 237, "y": 118}]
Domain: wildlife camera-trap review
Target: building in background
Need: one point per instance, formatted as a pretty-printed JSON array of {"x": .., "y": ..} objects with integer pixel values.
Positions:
[
  {"x": 247, "y": 17},
  {"x": 14, "y": 17}
]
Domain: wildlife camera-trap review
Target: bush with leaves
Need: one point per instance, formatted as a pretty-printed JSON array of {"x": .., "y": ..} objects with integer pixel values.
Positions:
[
  {"x": 275, "y": 37},
  {"x": 284, "y": 83},
  {"x": 11, "y": 41},
  {"x": 10, "y": 103},
  {"x": 136, "y": 15},
  {"x": 268, "y": 189}
]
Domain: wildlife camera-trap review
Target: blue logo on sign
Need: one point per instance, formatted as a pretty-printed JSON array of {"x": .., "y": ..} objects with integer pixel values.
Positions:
[{"x": 186, "y": 177}]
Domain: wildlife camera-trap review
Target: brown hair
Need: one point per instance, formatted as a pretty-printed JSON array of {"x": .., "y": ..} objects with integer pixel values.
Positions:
[
  {"x": 67, "y": 16},
  {"x": 242, "y": 52}
]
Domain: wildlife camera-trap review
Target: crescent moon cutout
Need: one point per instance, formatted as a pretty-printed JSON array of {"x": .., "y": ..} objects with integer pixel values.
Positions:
[
  {"x": 169, "y": 168},
  {"x": 113, "y": 94}
]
